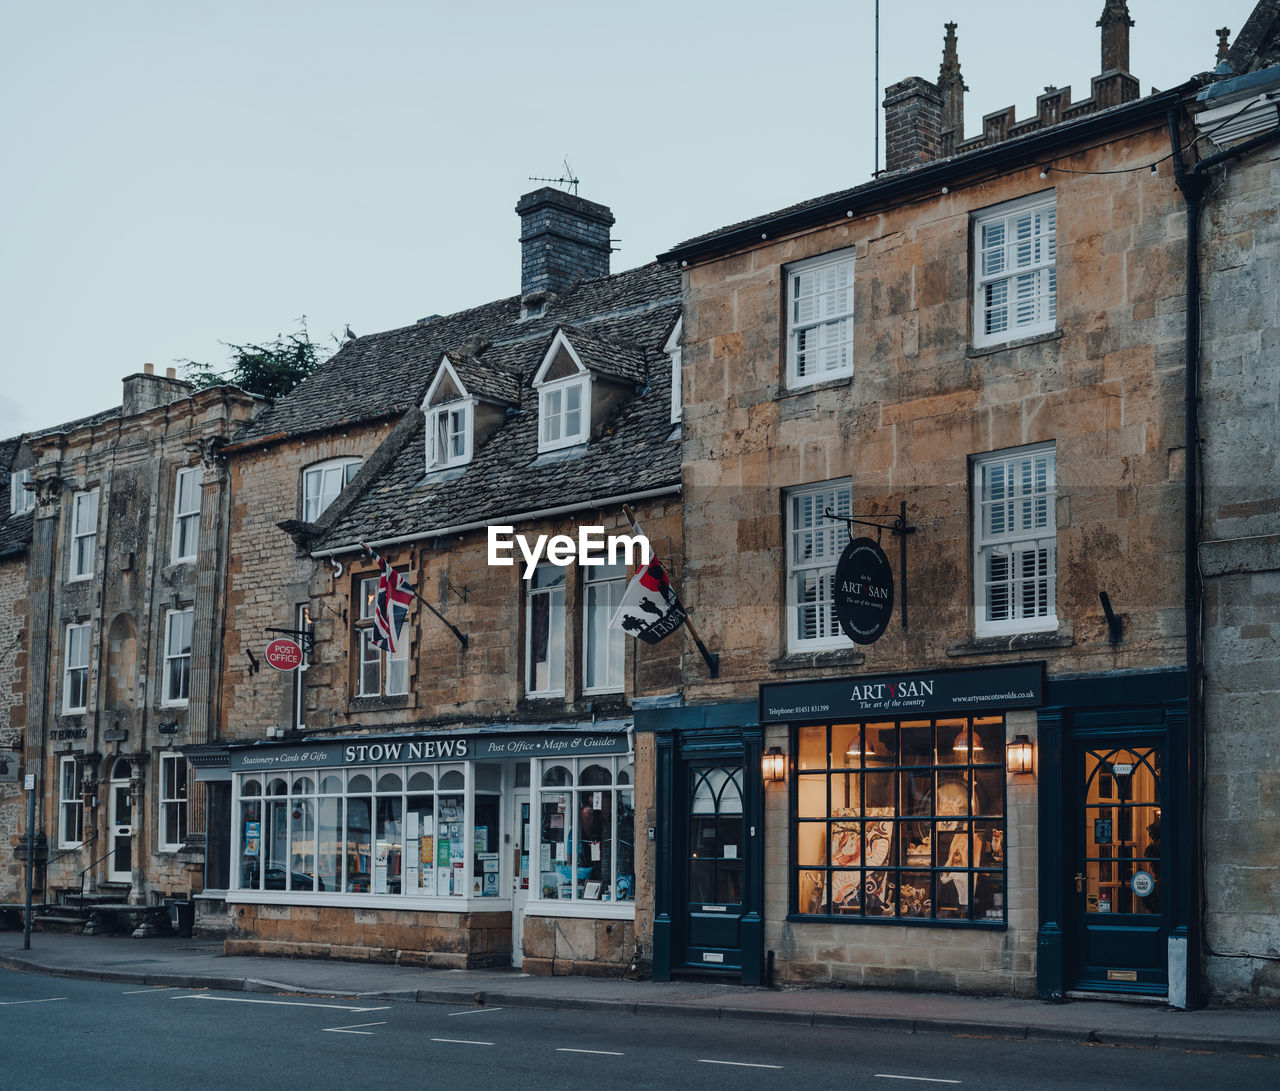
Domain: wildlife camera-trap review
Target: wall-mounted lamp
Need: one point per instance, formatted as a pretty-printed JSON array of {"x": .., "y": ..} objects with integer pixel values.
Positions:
[
  {"x": 1018, "y": 754},
  {"x": 774, "y": 765}
]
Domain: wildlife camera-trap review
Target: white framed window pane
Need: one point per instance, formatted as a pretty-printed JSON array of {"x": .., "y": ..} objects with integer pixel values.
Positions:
[
  {"x": 814, "y": 545},
  {"x": 177, "y": 686},
  {"x": 820, "y": 316},
  {"x": 70, "y": 803},
  {"x": 545, "y": 618},
  {"x": 321, "y": 485},
  {"x": 605, "y": 647},
  {"x": 1016, "y": 274},
  {"x": 186, "y": 514},
  {"x": 21, "y": 498}
]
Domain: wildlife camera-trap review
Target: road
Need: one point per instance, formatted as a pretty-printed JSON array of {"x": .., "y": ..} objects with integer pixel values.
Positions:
[{"x": 67, "y": 1033}]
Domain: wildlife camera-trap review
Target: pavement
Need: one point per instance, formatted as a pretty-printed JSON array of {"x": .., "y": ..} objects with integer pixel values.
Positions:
[{"x": 202, "y": 964}]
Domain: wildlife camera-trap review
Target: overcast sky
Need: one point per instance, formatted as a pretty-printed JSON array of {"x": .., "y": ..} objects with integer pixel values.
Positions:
[{"x": 177, "y": 176}]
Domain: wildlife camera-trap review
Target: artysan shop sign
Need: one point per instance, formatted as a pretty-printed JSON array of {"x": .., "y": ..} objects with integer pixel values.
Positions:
[{"x": 1018, "y": 685}]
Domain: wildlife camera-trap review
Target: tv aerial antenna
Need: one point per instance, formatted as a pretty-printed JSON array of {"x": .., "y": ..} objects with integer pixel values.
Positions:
[{"x": 567, "y": 179}]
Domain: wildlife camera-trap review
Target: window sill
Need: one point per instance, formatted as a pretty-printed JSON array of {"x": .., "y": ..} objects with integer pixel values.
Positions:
[
  {"x": 1062, "y": 637},
  {"x": 1020, "y": 342},
  {"x": 790, "y": 390},
  {"x": 618, "y": 911},
  {"x": 832, "y": 657},
  {"x": 175, "y": 704},
  {"x": 993, "y": 925},
  {"x": 373, "y": 703},
  {"x": 80, "y": 579}
]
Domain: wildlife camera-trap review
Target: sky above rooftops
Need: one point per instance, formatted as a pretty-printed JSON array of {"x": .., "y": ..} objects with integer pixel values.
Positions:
[{"x": 181, "y": 176}]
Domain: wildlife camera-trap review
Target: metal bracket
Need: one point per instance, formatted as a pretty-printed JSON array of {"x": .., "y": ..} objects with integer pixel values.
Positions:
[{"x": 306, "y": 637}]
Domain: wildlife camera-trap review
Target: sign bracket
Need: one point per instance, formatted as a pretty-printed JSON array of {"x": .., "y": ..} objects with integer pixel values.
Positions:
[
  {"x": 899, "y": 528},
  {"x": 306, "y": 637}
]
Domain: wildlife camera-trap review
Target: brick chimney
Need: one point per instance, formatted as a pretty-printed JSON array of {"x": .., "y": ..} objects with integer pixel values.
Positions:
[
  {"x": 912, "y": 123},
  {"x": 1115, "y": 23},
  {"x": 562, "y": 238},
  {"x": 951, "y": 85}
]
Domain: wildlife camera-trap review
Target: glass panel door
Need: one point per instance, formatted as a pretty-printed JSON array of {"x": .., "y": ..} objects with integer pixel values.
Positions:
[
  {"x": 121, "y": 868},
  {"x": 714, "y": 877}
]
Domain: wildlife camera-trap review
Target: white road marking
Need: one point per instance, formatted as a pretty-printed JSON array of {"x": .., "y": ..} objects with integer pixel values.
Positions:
[
  {"x": 279, "y": 1003},
  {"x": 157, "y": 989},
  {"x": 473, "y": 1011},
  {"x": 593, "y": 1052},
  {"x": 738, "y": 1064},
  {"x": 460, "y": 1042},
  {"x": 918, "y": 1079},
  {"x": 46, "y": 1000},
  {"x": 353, "y": 1028}
]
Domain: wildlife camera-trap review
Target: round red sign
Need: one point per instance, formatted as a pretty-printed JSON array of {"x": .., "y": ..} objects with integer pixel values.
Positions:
[{"x": 284, "y": 655}]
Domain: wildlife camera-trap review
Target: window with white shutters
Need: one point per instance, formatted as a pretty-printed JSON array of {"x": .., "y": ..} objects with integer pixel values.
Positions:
[
  {"x": 820, "y": 319},
  {"x": 814, "y": 544},
  {"x": 1016, "y": 281},
  {"x": 1015, "y": 536}
]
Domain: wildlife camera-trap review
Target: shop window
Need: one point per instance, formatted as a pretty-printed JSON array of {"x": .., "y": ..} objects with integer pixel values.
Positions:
[
  {"x": 382, "y": 674},
  {"x": 814, "y": 544},
  {"x": 544, "y": 675},
  {"x": 901, "y": 820},
  {"x": 392, "y": 830},
  {"x": 70, "y": 803},
  {"x": 586, "y": 843},
  {"x": 604, "y": 649},
  {"x": 173, "y": 802},
  {"x": 1015, "y": 542}
]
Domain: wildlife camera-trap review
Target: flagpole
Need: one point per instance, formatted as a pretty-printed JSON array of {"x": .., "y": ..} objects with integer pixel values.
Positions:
[
  {"x": 710, "y": 658},
  {"x": 462, "y": 637}
]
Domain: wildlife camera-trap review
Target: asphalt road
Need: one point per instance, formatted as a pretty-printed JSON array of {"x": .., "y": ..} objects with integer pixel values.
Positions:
[{"x": 67, "y": 1033}]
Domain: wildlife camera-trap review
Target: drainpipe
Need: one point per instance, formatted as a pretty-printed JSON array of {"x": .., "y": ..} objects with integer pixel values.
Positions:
[{"x": 1193, "y": 183}]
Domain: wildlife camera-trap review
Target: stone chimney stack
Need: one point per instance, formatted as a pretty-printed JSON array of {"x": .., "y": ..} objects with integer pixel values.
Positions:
[
  {"x": 562, "y": 238},
  {"x": 1115, "y": 23},
  {"x": 912, "y": 123},
  {"x": 951, "y": 85},
  {"x": 146, "y": 390}
]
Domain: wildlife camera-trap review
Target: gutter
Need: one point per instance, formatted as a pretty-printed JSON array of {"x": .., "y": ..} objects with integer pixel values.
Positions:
[
  {"x": 1020, "y": 152},
  {"x": 521, "y": 517}
]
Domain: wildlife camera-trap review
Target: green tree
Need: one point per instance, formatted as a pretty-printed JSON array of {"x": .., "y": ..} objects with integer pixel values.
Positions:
[{"x": 271, "y": 368}]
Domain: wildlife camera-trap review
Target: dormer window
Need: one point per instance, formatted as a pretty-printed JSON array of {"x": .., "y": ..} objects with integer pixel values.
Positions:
[
  {"x": 20, "y": 497},
  {"x": 672, "y": 349},
  {"x": 563, "y": 384},
  {"x": 449, "y": 435},
  {"x": 563, "y": 413}
]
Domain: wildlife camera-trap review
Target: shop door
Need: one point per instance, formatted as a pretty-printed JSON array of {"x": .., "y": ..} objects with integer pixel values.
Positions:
[
  {"x": 714, "y": 849},
  {"x": 520, "y": 877},
  {"x": 120, "y": 868},
  {"x": 1117, "y": 894}
]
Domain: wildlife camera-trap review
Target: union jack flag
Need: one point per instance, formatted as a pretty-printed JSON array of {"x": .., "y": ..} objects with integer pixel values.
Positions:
[{"x": 390, "y": 607}]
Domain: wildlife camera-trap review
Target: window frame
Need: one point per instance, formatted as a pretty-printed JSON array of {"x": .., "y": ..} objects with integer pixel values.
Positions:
[
  {"x": 796, "y": 329},
  {"x": 21, "y": 499},
  {"x": 172, "y": 800},
  {"x": 389, "y": 664},
  {"x": 184, "y": 518},
  {"x": 465, "y": 407},
  {"x": 1046, "y": 293},
  {"x": 957, "y": 772},
  {"x": 534, "y": 592},
  {"x": 348, "y": 464},
  {"x": 560, "y": 390},
  {"x": 834, "y": 538},
  {"x": 674, "y": 350},
  {"x": 84, "y": 543},
  {"x": 985, "y": 544},
  {"x": 172, "y": 659},
  {"x": 70, "y": 806},
  {"x": 75, "y": 669},
  {"x": 596, "y": 578}
]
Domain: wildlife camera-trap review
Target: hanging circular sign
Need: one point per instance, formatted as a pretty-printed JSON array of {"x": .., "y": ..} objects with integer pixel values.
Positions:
[
  {"x": 1142, "y": 883},
  {"x": 284, "y": 655},
  {"x": 864, "y": 591}
]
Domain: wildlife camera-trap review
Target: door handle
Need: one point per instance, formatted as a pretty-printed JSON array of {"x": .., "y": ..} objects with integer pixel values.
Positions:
[{"x": 1079, "y": 882}]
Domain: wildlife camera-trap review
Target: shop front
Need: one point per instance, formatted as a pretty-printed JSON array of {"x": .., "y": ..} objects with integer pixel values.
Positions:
[{"x": 460, "y": 848}]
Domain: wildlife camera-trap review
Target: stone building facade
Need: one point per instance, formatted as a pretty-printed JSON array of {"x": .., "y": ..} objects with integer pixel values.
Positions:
[
  {"x": 473, "y": 797},
  {"x": 980, "y": 355},
  {"x": 116, "y": 581}
]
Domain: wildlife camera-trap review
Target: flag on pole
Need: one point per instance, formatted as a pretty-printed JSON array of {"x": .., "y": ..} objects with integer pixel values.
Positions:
[
  {"x": 650, "y": 608},
  {"x": 390, "y": 607}
]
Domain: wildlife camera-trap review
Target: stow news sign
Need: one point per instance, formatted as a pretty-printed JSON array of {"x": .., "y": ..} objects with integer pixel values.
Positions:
[
  {"x": 460, "y": 747},
  {"x": 890, "y": 695}
]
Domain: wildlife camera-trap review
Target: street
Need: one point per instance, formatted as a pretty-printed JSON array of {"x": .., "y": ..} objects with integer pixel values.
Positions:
[{"x": 65, "y": 1033}]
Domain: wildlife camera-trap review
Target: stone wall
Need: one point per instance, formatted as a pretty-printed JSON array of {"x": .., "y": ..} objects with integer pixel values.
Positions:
[{"x": 13, "y": 723}]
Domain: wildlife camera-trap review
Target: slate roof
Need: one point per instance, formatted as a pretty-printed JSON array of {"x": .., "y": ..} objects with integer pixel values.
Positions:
[
  {"x": 618, "y": 320},
  {"x": 384, "y": 374},
  {"x": 485, "y": 381}
]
